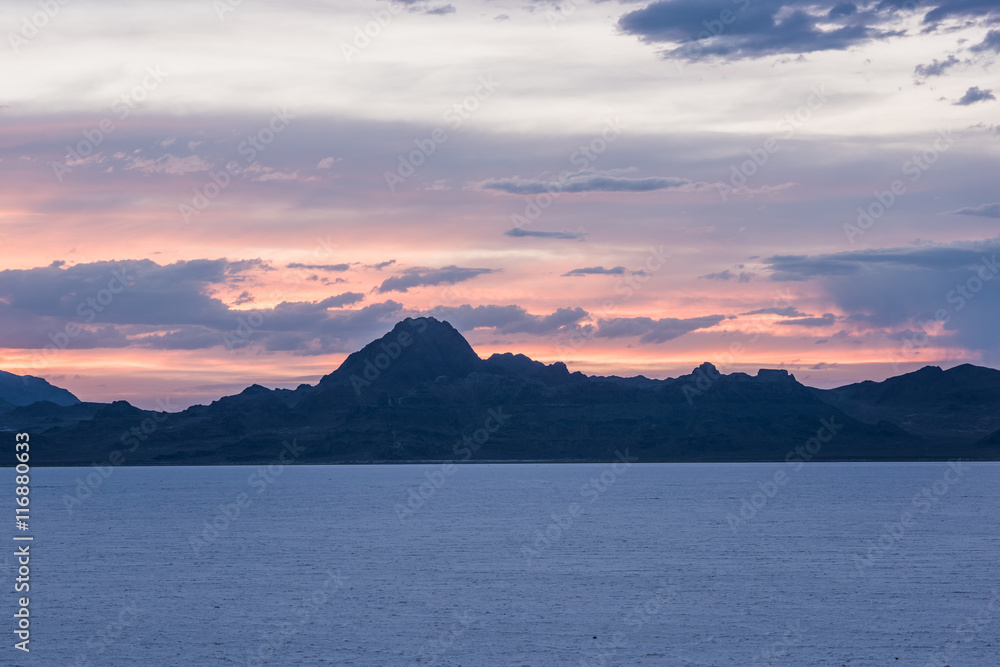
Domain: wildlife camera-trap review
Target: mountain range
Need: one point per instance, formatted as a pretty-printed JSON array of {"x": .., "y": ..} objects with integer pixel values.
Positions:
[{"x": 421, "y": 393}]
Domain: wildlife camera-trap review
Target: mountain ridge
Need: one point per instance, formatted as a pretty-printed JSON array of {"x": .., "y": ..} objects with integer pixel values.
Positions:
[{"x": 419, "y": 392}]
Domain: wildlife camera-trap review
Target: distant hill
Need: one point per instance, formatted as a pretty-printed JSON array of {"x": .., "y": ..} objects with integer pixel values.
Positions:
[
  {"x": 421, "y": 393},
  {"x": 18, "y": 390},
  {"x": 957, "y": 405}
]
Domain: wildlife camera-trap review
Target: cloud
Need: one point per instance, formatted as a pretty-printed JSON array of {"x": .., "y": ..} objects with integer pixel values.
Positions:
[
  {"x": 419, "y": 277},
  {"x": 936, "y": 68},
  {"x": 584, "y": 183},
  {"x": 517, "y": 232},
  {"x": 327, "y": 162},
  {"x": 752, "y": 29},
  {"x": 938, "y": 257},
  {"x": 743, "y": 29},
  {"x": 826, "y": 320},
  {"x": 139, "y": 303},
  {"x": 320, "y": 267},
  {"x": 990, "y": 43},
  {"x": 509, "y": 319},
  {"x": 946, "y": 9},
  {"x": 896, "y": 288},
  {"x": 168, "y": 164},
  {"x": 982, "y": 211},
  {"x": 654, "y": 331},
  {"x": 596, "y": 270},
  {"x": 380, "y": 265},
  {"x": 786, "y": 311},
  {"x": 341, "y": 300},
  {"x": 419, "y": 7},
  {"x": 742, "y": 276},
  {"x": 973, "y": 95}
]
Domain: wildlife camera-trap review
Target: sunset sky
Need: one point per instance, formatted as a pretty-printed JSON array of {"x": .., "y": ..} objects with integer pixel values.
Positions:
[{"x": 200, "y": 195}]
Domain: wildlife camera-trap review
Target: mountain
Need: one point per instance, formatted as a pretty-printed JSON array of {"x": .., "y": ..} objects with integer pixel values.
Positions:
[
  {"x": 421, "y": 393},
  {"x": 18, "y": 390},
  {"x": 957, "y": 405}
]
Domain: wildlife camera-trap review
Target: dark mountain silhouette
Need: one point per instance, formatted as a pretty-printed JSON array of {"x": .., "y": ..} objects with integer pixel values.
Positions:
[
  {"x": 18, "y": 390},
  {"x": 957, "y": 405},
  {"x": 420, "y": 393}
]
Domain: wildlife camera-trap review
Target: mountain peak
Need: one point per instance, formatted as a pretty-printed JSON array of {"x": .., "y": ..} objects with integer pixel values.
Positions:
[
  {"x": 416, "y": 350},
  {"x": 20, "y": 390}
]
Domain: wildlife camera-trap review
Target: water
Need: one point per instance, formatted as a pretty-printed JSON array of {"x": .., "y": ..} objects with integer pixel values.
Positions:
[{"x": 514, "y": 565}]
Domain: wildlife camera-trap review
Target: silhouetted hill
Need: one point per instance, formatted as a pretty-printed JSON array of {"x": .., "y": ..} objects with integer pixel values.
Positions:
[
  {"x": 961, "y": 404},
  {"x": 18, "y": 390},
  {"x": 421, "y": 393}
]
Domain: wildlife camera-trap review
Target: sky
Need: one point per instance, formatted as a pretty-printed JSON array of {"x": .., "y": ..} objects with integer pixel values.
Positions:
[{"x": 197, "y": 195}]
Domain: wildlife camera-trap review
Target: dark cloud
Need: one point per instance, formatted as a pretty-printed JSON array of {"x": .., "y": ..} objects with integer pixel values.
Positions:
[
  {"x": 742, "y": 276},
  {"x": 584, "y": 183},
  {"x": 380, "y": 265},
  {"x": 863, "y": 262},
  {"x": 140, "y": 303},
  {"x": 936, "y": 68},
  {"x": 982, "y": 211},
  {"x": 517, "y": 232},
  {"x": 509, "y": 319},
  {"x": 654, "y": 331},
  {"x": 421, "y": 7},
  {"x": 787, "y": 311},
  {"x": 341, "y": 300},
  {"x": 826, "y": 320},
  {"x": 596, "y": 270},
  {"x": 419, "y": 277},
  {"x": 752, "y": 28},
  {"x": 320, "y": 267},
  {"x": 973, "y": 95},
  {"x": 127, "y": 292},
  {"x": 949, "y": 9},
  {"x": 440, "y": 11},
  {"x": 990, "y": 43},
  {"x": 842, "y": 9},
  {"x": 739, "y": 29},
  {"x": 896, "y": 288}
]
